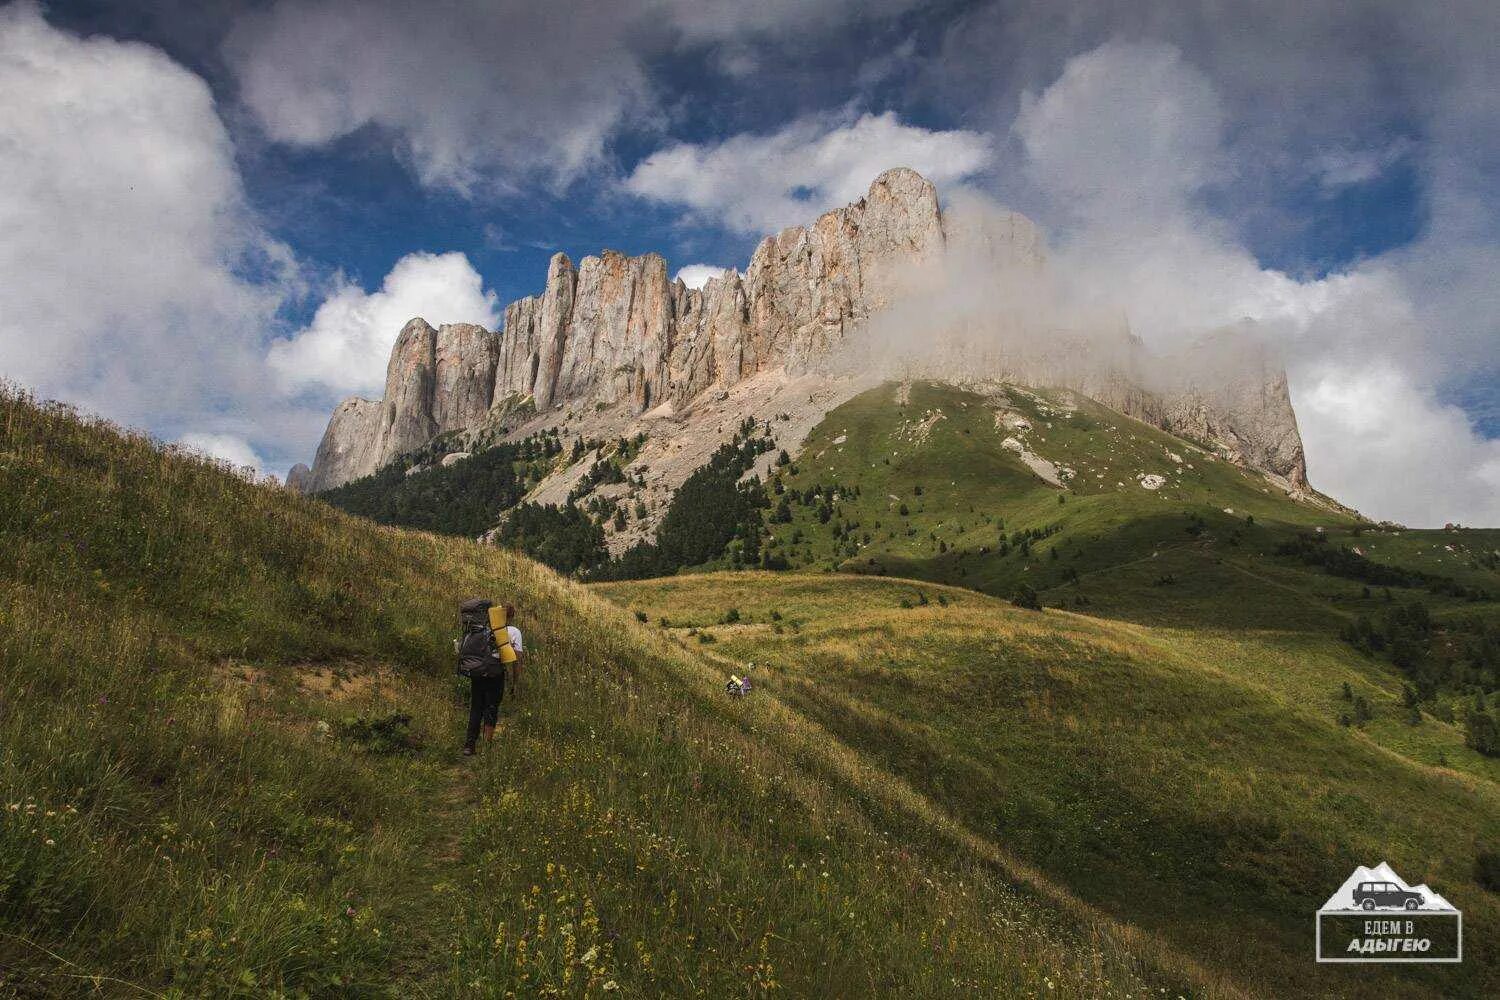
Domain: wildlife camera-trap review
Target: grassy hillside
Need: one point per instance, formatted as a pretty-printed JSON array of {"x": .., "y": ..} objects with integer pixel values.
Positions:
[
  {"x": 228, "y": 767},
  {"x": 917, "y": 481},
  {"x": 1191, "y": 781}
]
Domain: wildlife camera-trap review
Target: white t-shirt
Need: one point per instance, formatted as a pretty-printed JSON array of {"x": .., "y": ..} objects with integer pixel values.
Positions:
[{"x": 515, "y": 638}]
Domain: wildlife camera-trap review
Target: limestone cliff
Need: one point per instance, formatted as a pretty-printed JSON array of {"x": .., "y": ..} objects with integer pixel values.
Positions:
[
  {"x": 436, "y": 381},
  {"x": 618, "y": 332}
]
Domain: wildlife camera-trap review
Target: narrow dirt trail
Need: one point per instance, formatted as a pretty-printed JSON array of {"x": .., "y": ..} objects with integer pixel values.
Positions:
[{"x": 421, "y": 922}]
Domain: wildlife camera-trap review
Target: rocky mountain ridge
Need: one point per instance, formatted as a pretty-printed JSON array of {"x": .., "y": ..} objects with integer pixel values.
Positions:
[{"x": 616, "y": 333}]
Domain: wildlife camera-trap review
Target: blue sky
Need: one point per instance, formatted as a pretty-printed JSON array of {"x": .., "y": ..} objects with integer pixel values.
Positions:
[{"x": 250, "y": 191}]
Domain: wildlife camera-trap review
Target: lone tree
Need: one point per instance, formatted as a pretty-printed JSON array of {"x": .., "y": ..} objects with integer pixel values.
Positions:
[
  {"x": 1362, "y": 712},
  {"x": 1481, "y": 733},
  {"x": 1026, "y": 597}
]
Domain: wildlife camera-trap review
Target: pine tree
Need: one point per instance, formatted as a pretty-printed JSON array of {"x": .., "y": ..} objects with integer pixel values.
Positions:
[
  {"x": 1026, "y": 597},
  {"x": 1481, "y": 733}
]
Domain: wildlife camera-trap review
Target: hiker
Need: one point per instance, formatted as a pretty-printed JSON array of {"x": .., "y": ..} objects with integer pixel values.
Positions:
[{"x": 479, "y": 659}]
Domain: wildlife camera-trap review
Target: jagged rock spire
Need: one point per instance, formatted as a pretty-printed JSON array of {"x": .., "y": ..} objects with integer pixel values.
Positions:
[{"x": 618, "y": 331}]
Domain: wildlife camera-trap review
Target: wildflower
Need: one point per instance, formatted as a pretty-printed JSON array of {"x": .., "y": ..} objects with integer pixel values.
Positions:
[
  {"x": 50, "y": 842},
  {"x": 611, "y": 986}
]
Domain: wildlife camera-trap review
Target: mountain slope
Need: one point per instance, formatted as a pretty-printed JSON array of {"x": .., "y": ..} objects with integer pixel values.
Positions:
[
  {"x": 613, "y": 345},
  {"x": 1195, "y": 783},
  {"x": 932, "y": 480},
  {"x": 229, "y": 725}
]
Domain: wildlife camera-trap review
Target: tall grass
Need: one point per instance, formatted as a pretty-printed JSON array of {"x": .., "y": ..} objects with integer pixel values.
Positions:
[
  {"x": 179, "y": 815},
  {"x": 1191, "y": 784}
]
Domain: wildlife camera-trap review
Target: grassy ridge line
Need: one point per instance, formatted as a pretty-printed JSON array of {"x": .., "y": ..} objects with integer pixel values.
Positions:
[
  {"x": 812, "y": 738},
  {"x": 965, "y": 472},
  {"x": 1194, "y": 650}
]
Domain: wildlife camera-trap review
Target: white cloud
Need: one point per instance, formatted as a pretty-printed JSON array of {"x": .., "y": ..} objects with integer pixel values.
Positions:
[
  {"x": 760, "y": 183},
  {"x": 1340, "y": 167},
  {"x": 717, "y": 20},
  {"x": 473, "y": 94},
  {"x": 224, "y": 447},
  {"x": 1370, "y": 433},
  {"x": 346, "y": 346},
  {"x": 1122, "y": 147},
  {"x": 480, "y": 96},
  {"x": 126, "y": 234},
  {"x": 697, "y": 275},
  {"x": 1127, "y": 128}
]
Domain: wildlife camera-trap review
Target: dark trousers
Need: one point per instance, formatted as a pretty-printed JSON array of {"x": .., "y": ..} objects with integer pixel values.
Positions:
[{"x": 484, "y": 703}]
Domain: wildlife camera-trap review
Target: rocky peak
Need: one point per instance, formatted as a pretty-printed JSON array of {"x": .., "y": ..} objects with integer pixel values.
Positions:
[
  {"x": 464, "y": 358},
  {"x": 351, "y": 445},
  {"x": 299, "y": 478},
  {"x": 617, "y": 331},
  {"x": 410, "y": 384}
]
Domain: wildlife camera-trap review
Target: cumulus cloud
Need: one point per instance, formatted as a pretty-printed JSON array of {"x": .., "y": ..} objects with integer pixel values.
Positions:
[
  {"x": 346, "y": 346},
  {"x": 1390, "y": 430},
  {"x": 697, "y": 275},
  {"x": 473, "y": 94},
  {"x": 126, "y": 269},
  {"x": 480, "y": 96},
  {"x": 1122, "y": 147},
  {"x": 758, "y": 183},
  {"x": 1127, "y": 129},
  {"x": 224, "y": 447},
  {"x": 139, "y": 284},
  {"x": 716, "y": 20}
]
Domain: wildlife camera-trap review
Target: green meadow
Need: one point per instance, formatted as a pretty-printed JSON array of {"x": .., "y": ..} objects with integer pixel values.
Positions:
[
  {"x": 229, "y": 736},
  {"x": 228, "y": 767},
  {"x": 1193, "y": 783}
]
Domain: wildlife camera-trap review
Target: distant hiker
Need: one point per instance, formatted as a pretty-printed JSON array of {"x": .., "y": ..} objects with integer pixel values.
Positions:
[
  {"x": 737, "y": 686},
  {"x": 481, "y": 660}
]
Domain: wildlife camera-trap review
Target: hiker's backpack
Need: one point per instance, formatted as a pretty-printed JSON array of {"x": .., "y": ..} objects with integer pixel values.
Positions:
[{"x": 477, "y": 652}]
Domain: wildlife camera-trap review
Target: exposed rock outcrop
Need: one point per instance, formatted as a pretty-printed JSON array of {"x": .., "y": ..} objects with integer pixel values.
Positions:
[
  {"x": 617, "y": 331},
  {"x": 464, "y": 357},
  {"x": 436, "y": 381},
  {"x": 351, "y": 445},
  {"x": 299, "y": 478}
]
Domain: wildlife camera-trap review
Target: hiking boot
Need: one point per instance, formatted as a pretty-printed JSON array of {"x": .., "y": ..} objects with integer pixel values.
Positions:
[
  {"x": 489, "y": 733},
  {"x": 468, "y": 749}
]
